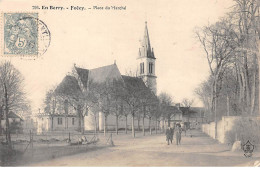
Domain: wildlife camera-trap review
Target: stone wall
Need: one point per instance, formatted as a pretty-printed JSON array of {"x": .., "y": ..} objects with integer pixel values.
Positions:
[{"x": 224, "y": 125}]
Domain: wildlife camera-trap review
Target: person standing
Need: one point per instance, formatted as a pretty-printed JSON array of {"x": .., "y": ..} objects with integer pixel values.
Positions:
[
  {"x": 178, "y": 134},
  {"x": 172, "y": 133},
  {"x": 168, "y": 135}
]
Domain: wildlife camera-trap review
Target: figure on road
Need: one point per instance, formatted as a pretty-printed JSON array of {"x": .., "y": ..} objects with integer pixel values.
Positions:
[
  {"x": 168, "y": 135},
  {"x": 178, "y": 134},
  {"x": 172, "y": 133}
]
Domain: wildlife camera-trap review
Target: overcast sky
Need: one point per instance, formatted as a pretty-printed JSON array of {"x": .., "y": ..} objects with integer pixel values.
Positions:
[{"x": 95, "y": 38}]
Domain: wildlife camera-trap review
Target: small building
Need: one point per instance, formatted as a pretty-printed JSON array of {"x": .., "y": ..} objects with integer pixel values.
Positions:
[
  {"x": 15, "y": 123},
  {"x": 56, "y": 122},
  {"x": 193, "y": 117}
]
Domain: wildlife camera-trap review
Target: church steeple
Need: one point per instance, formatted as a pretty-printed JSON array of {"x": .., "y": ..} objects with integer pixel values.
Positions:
[
  {"x": 146, "y": 61},
  {"x": 146, "y": 50}
]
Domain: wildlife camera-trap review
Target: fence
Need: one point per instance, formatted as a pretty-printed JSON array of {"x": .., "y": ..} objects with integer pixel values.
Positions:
[{"x": 37, "y": 147}]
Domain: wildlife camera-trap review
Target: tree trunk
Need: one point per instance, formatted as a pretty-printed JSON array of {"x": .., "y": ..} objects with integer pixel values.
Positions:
[
  {"x": 83, "y": 124},
  {"x": 125, "y": 124},
  {"x": 258, "y": 77},
  {"x": 228, "y": 106},
  {"x": 215, "y": 110},
  {"x": 156, "y": 126},
  {"x": 133, "y": 125},
  {"x": 105, "y": 125},
  {"x": 0, "y": 127},
  {"x": 95, "y": 124},
  {"x": 150, "y": 128},
  {"x": 143, "y": 127},
  {"x": 138, "y": 123},
  {"x": 117, "y": 124},
  {"x": 8, "y": 135}
]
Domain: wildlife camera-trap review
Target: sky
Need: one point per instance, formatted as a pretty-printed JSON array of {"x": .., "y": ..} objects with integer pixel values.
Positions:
[{"x": 95, "y": 38}]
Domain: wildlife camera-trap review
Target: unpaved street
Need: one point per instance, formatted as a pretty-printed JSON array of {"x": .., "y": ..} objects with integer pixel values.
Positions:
[{"x": 198, "y": 150}]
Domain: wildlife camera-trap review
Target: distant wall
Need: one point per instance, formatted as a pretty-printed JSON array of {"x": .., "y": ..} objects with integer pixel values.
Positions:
[{"x": 224, "y": 125}]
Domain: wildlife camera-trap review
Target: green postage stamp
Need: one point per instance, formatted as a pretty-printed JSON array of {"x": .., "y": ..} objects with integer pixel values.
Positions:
[{"x": 20, "y": 34}]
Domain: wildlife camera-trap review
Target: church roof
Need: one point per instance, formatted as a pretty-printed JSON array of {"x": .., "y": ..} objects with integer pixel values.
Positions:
[
  {"x": 133, "y": 83},
  {"x": 83, "y": 75},
  {"x": 69, "y": 87},
  {"x": 104, "y": 73}
]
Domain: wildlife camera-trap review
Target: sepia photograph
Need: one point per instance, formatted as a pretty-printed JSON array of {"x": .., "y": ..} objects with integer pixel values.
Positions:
[{"x": 128, "y": 83}]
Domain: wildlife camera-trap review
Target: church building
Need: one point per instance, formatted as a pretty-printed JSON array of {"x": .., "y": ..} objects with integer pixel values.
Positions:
[{"x": 62, "y": 114}]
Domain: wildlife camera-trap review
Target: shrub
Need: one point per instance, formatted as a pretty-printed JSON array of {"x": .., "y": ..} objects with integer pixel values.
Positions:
[{"x": 244, "y": 129}]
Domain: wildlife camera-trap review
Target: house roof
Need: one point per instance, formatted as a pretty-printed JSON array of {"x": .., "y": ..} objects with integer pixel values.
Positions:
[
  {"x": 41, "y": 115},
  {"x": 174, "y": 109},
  {"x": 69, "y": 86},
  {"x": 13, "y": 115},
  {"x": 83, "y": 75},
  {"x": 104, "y": 73}
]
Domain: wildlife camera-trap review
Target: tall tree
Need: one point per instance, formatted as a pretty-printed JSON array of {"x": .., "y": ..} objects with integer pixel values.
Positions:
[
  {"x": 13, "y": 96},
  {"x": 165, "y": 103}
]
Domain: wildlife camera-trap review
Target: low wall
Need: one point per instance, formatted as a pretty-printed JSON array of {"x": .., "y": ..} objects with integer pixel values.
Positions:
[{"x": 224, "y": 125}]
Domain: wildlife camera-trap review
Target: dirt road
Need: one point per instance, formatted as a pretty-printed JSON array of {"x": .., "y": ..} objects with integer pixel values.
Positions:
[{"x": 198, "y": 150}]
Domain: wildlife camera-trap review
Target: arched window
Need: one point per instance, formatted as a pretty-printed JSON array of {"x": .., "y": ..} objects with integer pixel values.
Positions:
[
  {"x": 150, "y": 67},
  {"x": 142, "y": 68}
]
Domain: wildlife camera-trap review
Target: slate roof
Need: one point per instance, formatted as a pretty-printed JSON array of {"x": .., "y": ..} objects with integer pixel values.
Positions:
[
  {"x": 83, "y": 75},
  {"x": 12, "y": 115},
  {"x": 174, "y": 109},
  {"x": 133, "y": 81},
  {"x": 102, "y": 74},
  {"x": 69, "y": 86}
]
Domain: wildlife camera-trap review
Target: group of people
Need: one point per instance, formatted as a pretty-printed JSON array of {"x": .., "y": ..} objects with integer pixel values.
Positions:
[{"x": 170, "y": 134}]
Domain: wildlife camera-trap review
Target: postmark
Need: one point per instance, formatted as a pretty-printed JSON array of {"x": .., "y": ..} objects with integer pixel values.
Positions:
[
  {"x": 248, "y": 149},
  {"x": 25, "y": 35}
]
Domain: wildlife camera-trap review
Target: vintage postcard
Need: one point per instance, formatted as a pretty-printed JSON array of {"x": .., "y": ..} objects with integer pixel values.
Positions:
[{"x": 128, "y": 83}]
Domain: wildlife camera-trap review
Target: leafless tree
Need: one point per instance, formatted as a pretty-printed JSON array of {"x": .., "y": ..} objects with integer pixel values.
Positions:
[
  {"x": 165, "y": 103},
  {"x": 12, "y": 94}
]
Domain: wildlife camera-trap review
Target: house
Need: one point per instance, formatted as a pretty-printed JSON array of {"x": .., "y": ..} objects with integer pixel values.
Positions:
[
  {"x": 174, "y": 116},
  {"x": 15, "y": 123},
  {"x": 193, "y": 116}
]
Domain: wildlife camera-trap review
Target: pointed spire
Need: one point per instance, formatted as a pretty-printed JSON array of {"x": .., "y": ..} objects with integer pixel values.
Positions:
[{"x": 146, "y": 50}]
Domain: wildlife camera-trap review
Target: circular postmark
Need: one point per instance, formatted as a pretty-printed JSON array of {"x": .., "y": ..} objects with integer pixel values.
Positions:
[
  {"x": 44, "y": 36},
  {"x": 25, "y": 35}
]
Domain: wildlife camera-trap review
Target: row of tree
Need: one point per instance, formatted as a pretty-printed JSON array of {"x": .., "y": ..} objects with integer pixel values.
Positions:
[
  {"x": 231, "y": 50},
  {"x": 127, "y": 96}
]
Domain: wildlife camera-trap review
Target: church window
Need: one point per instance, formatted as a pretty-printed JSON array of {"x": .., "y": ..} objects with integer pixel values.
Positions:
[
  {"x": 73, "y": 121},
  {"x": 150, "y": 67},
  {"x": 142, "y": 68}
]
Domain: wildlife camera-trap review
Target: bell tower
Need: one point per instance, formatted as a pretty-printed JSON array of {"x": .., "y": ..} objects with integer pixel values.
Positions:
[{"x": 146, "y": 62}]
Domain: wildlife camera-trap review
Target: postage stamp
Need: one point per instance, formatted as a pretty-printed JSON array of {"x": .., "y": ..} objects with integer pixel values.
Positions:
[
  {"x": 25, "y": 35},
  {"x": 20, "y": 34}
]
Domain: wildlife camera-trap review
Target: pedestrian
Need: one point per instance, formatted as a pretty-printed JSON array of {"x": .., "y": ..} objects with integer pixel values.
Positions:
[
  {"x": 178, "y": 134},
  {"x": 168, "y": 135},
  {"x": 185, "y": 128},
  {"x": 172, "y": 133}
]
